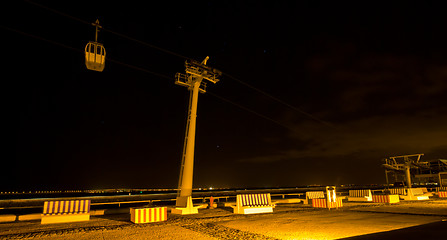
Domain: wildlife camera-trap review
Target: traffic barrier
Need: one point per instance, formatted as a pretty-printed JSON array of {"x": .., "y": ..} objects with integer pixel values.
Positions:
[
  {"x": 323, "y": 203},
  {"x": 426, "y": 192},
  {"x": 146, "y": 215},
  {"x": 253, "y": 203},
  {"x": 442, "y": 194},
  {"x": 410, "y": 193},
  {"x": 398, "y": 191},
  {"x": 416, "y": 194},
  {"x": 312, "y": 195},
  {"x": 417, "y": 191},
  {"x": 7, "y": 218},
  {"x": 363, "y": 195},
  {"x": 385, "y": 198},
  {"x": 65, "y": 211}
]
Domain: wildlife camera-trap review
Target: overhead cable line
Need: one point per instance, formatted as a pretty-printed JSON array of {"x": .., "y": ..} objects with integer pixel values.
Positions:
[
  {"x": 250, "y": 111},
  {"x": 279, "y": 100},
  {"x": 41, "y": 38},
  {"x": 111, "y": 31},
  {"x": 82, "y": 52},
  {"x": 187, "y": 58},
  {"x": 146, "y": 71}
]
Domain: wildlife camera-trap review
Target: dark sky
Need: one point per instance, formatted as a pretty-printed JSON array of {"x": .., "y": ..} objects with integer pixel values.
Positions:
[{"x": 371, "y": 76}]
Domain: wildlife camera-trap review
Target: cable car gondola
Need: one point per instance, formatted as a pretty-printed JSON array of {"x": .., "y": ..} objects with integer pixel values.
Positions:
[{"x": 95, "y": 53}]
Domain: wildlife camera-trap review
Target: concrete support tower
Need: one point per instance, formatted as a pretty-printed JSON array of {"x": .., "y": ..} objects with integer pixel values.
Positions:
[
  {"x": 193, "y": 79},
  {"x": 402, "y": 165}
]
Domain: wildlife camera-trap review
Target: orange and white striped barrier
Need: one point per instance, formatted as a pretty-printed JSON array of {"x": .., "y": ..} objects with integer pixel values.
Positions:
[
  {"x": 442, "y": 194},
  {"x": 361, "y": 195},
  {"x": 146, "y": 215},
  {"x": 254, "y": 199},
  {"x": 385, "y": 198},
  {"x": 253, "y": 203},
  {"x": 313, "y": 194},
  {"x": 65, "y": 211},
  {"x": 398, "y": 191},
  {"x": 322, "y": 203}
]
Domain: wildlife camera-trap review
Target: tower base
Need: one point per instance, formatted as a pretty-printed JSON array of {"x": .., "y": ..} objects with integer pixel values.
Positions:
[{"x": 189, "y": 209}]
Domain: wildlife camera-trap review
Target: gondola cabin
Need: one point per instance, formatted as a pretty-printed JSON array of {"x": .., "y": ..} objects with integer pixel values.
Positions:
[{"x": 95, "y": 56}]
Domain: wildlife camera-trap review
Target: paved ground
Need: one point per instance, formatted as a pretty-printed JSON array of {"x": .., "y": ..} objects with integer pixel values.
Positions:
[{"x": 408, "y": 220}]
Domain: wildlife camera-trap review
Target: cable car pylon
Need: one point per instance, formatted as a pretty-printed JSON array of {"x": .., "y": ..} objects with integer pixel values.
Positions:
[
  {"x": 196, "y": 72},
  {"x": 95, "y": 53}
]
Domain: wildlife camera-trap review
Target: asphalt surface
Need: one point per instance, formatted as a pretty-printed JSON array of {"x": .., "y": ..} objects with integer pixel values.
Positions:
[{"x": 435, "y": 230}]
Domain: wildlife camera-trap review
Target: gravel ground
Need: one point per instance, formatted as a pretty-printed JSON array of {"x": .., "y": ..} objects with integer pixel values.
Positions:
[
  {"x": 152, "y": 232},
  {"x": 289, "y": 221}
]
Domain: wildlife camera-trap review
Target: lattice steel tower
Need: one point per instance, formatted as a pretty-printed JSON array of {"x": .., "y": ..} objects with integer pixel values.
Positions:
[{"x": 196, "y": 72}]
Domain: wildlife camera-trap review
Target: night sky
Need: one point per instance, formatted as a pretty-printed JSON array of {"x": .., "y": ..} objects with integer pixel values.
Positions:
[{"x": 363, "y": 81}]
